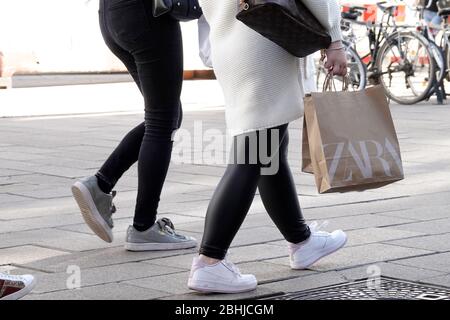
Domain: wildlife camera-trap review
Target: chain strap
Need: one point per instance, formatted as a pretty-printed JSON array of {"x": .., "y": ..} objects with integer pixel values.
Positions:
[{"x": 244, "y": 5}]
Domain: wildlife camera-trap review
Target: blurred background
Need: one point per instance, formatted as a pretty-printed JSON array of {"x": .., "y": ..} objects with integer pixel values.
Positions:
[{"x": 53, "y": 36}]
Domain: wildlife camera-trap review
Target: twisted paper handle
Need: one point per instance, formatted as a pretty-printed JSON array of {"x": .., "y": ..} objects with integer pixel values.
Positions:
[{"x": 330, "y": 85}]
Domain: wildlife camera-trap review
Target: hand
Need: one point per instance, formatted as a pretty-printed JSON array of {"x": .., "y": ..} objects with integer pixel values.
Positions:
[{"x": 336, "y": 62}]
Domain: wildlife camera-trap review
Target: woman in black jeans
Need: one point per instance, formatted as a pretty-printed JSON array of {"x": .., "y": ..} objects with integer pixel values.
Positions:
[{"x": 151, "y": 49}]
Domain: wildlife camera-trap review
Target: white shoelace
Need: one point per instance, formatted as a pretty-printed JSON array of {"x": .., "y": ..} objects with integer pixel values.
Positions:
[
  {"x": 10, "y": 277},
  {"x": 316, "y": 228},
  {"x": 232, "y": 266}
]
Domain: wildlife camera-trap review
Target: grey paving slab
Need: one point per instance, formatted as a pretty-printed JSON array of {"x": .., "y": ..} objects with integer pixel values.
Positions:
[
  {"x": 10, "y": 269},
  {"x": 376, "y": 235},
  {"x": 32, "y": 208},
  {"x": 71, "y": 163},
  {"x": 438, "y": 243},
  {"x": 121, "y": 225},
  {"x": 58, "y": 239},
  {"x": 99, "y": 276},
  {"x": 203, "y": 180},
  {"x": 360, "y": 255},
  {"x": 257, "y": 220},
  {"x": 20, "y": 156},
  {"x": 397, "y": 190},
  {"x": 43, "y": 231},
  {"x": 255, "y": 294},
  {"x": 256, "y": 235},
  {"x": 442, "y": 281},
  {"x": 329, "y": 212},
  {"x": 243, "y": 254},
  {"x": 7, "y": 173},
  {"x": 437, "y": 262},
  {"x": 245, "y": 236},
  {"x": 40, "y": 179},
  {"x": 391, "y": 270},
  {"x": 306, "y": 283},
  {"x": 171, "y": 284},
  {"x": 439, "y": 226},
  {"x": 39, "y": 223},
  {"x": 334, "y": 199},
  {"x": 44, "y": 193},
  {"x": 422, "y": 213},
  {"x": 270, "y": 272},
  {"x": 8, "y": 199},
  {"x": 102, "y": 257},
  {"x": 181, "y": 261},
  {"x": 259, "y": 252},
  {"x": 370, "y": 235},
  {"x": 113, "y": 291},
  {"x": 26, "y": 149},
  {"x": 214, "y": 171},
  {"x": 27, "y": 254},
  {"x": 365, "y": 221}
]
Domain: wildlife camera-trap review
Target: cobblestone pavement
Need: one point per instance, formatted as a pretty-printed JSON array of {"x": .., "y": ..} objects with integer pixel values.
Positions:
[{"x": 403, "y": 228}]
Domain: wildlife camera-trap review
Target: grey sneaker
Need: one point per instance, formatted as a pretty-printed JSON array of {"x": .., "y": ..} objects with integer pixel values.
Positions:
[
  {"x": 96, "y": 207},
  {"x": 161, "y": 236}
]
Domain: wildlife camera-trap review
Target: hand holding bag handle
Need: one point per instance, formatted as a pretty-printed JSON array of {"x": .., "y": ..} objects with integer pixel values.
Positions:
[{"x": 329, "y": 84}]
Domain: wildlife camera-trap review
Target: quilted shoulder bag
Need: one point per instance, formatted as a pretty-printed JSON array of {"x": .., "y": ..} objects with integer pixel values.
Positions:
[
  {"x": 182, "y": 10},
  {"x": 288, "y": 23}
]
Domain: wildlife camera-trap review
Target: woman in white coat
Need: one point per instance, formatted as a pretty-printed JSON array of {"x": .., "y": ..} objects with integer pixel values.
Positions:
[{"x": 263, "y": 95}]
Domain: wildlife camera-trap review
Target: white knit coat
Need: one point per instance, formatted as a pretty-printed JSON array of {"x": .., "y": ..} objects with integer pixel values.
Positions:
[{"x": 259, "y": 79}]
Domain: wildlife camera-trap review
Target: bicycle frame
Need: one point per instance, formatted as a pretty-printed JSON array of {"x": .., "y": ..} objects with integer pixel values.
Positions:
[{"x": 378, "y": 33}]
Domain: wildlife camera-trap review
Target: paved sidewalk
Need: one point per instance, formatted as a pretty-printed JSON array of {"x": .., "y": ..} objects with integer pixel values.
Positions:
[
  {"x": 98, "y": 98},
  {"x": 403, "y": 228}
]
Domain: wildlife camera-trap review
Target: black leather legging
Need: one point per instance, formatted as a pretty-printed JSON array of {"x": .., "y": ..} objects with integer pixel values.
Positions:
[
  {"x": 235, "y": 193},
  {"x": 151, "y": 49}
]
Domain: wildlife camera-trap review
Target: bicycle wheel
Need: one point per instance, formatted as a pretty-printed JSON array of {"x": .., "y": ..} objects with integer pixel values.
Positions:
[
  {"x": 405, "y": 67},
  {"x": 356, "y": 70}
]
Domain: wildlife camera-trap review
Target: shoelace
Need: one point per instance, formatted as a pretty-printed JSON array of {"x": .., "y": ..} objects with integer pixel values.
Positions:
[
  {"x": 233, "y": 267},
  {"x": 166, "y": 224},
  {"x": 316, "y": 228},
  {"x": 12, "y": 278},
  {"x": 113, "y": 208}
]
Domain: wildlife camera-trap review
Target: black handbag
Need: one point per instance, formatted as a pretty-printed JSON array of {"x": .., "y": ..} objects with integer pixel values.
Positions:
[
  {"x": 182, "y": 10},
  {"x": 288, "y": 23}
]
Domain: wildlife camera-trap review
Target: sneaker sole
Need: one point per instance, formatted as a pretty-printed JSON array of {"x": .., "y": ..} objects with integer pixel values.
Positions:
[
  {"x": 21, "y": 293},
  {"x": 160, "y": 246},
  {"x": 90, "y": 213},
  {"x": 211, "y": 287},
  {"x": 315, "y": 258}
]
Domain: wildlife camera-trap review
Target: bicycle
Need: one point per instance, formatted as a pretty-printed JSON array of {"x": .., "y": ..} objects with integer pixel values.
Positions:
[
  {"x": 357, "y": 71},
  {"x": 398, "y": 59},
  {"x": 437, "y": 52}
]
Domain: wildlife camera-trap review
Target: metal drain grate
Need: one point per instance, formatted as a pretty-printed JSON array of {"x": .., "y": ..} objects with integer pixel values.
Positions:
[{"x": 388, "y": 289}]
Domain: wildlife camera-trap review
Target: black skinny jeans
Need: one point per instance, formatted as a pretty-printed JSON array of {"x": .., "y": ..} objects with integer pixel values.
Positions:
[
  {"x": 236, "y": 191},
  {"x": 151, "y": 49}
]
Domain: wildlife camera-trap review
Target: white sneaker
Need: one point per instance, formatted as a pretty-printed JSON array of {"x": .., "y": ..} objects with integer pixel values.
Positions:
[
  {"x": 15, "y": 287},
  {"x": 319, "y": 245},
  {"x": 222, "y": 277}
]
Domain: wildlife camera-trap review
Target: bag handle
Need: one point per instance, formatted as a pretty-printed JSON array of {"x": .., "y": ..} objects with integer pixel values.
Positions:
[{"x": 330, "y": 85}]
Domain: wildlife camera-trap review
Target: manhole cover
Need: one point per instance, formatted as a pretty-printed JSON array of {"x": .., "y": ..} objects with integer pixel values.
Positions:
[{"x": 385, "y": 289}]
